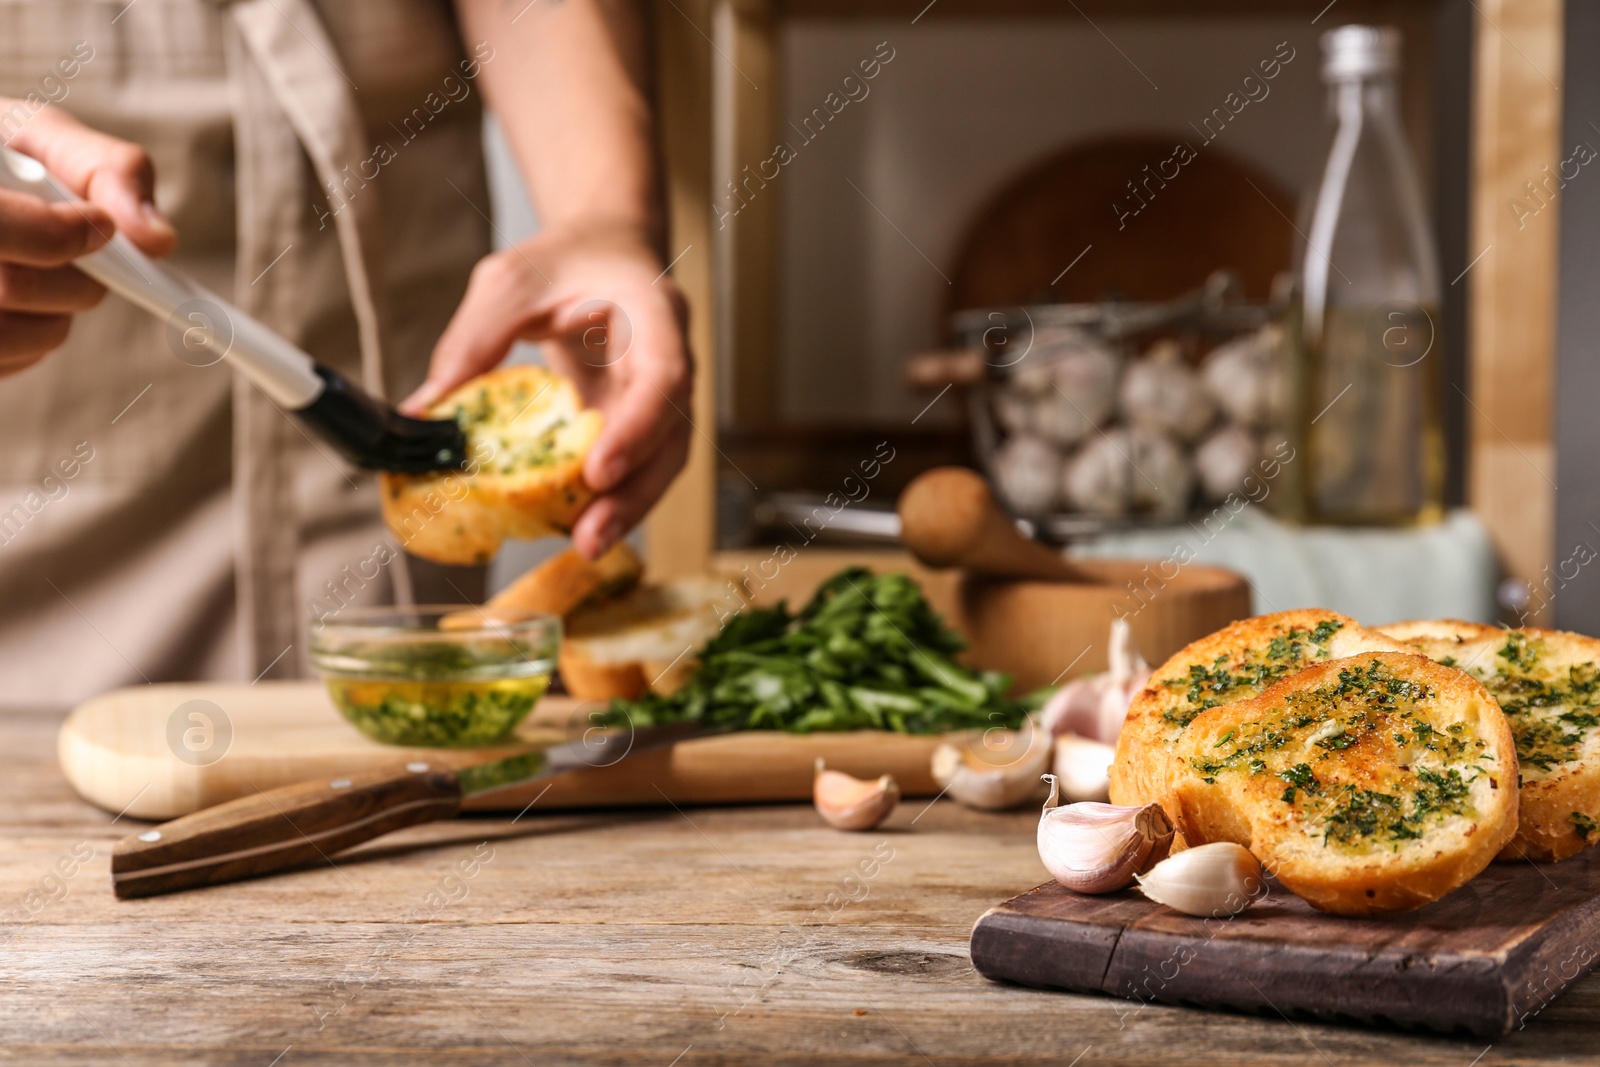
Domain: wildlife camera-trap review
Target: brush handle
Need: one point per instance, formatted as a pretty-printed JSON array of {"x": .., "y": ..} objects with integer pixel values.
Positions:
[
  {"x": 198, "y": 320},
  {"x": 299, "y": 825}
]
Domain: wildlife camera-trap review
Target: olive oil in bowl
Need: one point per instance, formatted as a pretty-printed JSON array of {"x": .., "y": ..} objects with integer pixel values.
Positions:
[{"x": 400, "y": 679}]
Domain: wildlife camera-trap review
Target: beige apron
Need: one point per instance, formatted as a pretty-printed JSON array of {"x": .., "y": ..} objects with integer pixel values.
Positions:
[{"x": 162, "y": 521}]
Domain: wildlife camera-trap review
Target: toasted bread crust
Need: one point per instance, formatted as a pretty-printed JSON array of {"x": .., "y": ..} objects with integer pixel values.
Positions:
[
  {"x": 646, "y": 639},
  {"x": 1142, "y": 770},
  {"x": 566, "y": 580},
  {"x": 588, "y": 680},
  {"x": 527, "y": 434},
  {"x": 1552, "y": 718},
  {"x": 1372, "y": 784}
]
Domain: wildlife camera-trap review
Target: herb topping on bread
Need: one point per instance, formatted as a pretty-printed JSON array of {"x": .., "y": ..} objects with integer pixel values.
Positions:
[
  {"x": 1548, "y": 684},
  {"x": 527, "y": 436},
  {"x": 1235, "y": 663},
  {"x": 1370, "y": 784}
]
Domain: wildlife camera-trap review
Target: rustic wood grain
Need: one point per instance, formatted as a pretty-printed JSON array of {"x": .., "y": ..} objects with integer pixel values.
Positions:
[
  {"x": 609, "y": 937},
  {"x": 1476, "y": 961}
]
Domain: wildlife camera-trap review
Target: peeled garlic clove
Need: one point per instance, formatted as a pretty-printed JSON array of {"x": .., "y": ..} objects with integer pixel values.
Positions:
[
  {"x": 1100, "y": 848},
  {"x": 1083, "y": 767},
  {"x": 1215, "y": 880},
  {"x": 995, "y": 770},
  {"x": 848, "y": 803}
]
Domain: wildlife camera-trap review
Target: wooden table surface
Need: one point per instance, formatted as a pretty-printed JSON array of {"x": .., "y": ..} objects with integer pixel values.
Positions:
[{"x": 727, "y": 935}]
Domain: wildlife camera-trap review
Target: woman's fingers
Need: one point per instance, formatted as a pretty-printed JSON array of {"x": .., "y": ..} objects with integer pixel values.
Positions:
[
  {"x": 25, "y": 338},
  {"x": 111, "y": 173},
  {"x": 653, "y": 380},
  {"x": 38, "y": 234},
  {"x": 47, "y": 289},
  {"x": 613, "y": 514},
  {"x": 492, "y": 316}
]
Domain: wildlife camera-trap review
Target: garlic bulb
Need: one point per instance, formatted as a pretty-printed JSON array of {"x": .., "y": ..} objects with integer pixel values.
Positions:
[
  {"x": 1225, "y": 459},
  {"x": 1083, "y": 395},
  {"x": 1214, "y": 880},
  {"x": 1121, "y": 471},
  {"x": 1246, "y": 376},
  {"x": 848, "y": 803},
  {"x": 1028, "y": 472},
  {"x": 1100, "y": 848},
  {"x": 1161, "y": 393},
  {"x": 1013, "y": 410},
  {"x": 1095, "y": 705},
  {"x": 1031, "y": 378},
  {"x": 995, "y": 769},
  {"x": 1083, "y": 767}
]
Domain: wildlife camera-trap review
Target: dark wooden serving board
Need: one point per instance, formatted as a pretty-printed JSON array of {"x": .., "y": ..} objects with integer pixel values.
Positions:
[{"x": 1486, "y": 959}]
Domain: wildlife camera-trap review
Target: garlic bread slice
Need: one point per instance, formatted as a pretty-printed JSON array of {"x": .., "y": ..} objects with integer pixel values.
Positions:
[
  {"x": 1372, "y": 784},
  {"x": 527, "y": 435},
  {"x": 1548, "y": 684},
  {"x": 1235, "y": 663}
]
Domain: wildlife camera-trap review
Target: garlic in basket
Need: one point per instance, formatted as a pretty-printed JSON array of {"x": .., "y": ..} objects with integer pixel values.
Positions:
[
  {"x": 1246, "y": 375},
  {"x": 1161, "y": 392},
  {"x": 1100, "y": 848},
  {"x": 1124, "y": 471},
  {"x": 1211, "y": 881},
  {"x": 1028, "y": 471},
  {"x": 1082, "y": 396}
]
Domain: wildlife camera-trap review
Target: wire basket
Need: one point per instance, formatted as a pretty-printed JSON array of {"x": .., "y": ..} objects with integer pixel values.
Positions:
[{"x": 1090, "y": 417}]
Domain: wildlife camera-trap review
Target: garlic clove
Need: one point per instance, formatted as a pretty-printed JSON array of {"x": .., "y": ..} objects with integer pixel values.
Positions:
[
  {"x": 1114, "y": 705},
  {"x": 1083, "y": 768},
  {"x": 848, "y": 803},
  {"x": 1211, "y": 881},
  {"x": 1075, "y": 707},
  {"x": 1100, "y": 848},
  {"x": 993, "y": 770}
]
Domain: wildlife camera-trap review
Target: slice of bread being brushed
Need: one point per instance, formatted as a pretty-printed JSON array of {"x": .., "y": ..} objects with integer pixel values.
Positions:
[
  {"x": 1371, "y": 784},
  {"x": 1548, "y": 684},
  {"x": 527, "y": 435},
  {"x": 1235, "y": 663}
]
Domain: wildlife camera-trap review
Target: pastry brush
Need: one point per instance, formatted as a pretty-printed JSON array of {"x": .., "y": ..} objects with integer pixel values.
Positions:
[{"x": 203, "y": 328}]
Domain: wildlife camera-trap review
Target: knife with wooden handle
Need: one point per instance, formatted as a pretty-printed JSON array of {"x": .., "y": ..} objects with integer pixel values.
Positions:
[{"x": 306, "y": 824}]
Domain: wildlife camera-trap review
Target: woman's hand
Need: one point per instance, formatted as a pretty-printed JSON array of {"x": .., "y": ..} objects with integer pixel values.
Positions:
[
  {"x": 610, "y": 320},
  {"x": 39, "y": 292}
]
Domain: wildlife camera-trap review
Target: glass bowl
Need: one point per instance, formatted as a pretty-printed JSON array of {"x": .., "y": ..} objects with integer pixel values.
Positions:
[{"x": 437, "y": 676}]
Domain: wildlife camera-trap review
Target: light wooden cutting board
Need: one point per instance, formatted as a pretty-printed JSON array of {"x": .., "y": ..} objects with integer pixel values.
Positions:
[{"x": 160, "y": 751}]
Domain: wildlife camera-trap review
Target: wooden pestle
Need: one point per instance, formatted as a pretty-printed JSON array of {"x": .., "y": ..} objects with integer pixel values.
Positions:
[{"x": 949, "y": 518}]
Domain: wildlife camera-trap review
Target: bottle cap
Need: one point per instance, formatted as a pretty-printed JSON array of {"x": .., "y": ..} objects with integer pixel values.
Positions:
[{"x": 1360, "y": 52}]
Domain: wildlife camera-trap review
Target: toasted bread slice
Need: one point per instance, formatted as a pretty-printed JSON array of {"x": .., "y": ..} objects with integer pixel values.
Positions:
[
  {"x": 1371, "y": 784},
  {"x": 1548, "y": 684},
  {"x": 556, "y": 587},
  {"x": 527, "y": 435},
  {"x": 617, "y": 649},
  {"x": 1235, "y": 663}
]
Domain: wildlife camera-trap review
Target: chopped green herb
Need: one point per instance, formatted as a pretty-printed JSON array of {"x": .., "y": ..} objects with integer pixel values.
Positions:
[
  {"x": 1224, "y": 739},
  {"x": 1223, "y": 682},
  {"x": 866, "y": 653}
]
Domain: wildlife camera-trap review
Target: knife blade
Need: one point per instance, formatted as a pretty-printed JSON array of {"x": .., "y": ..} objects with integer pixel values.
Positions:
[{"x": 307, "y": 823}]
